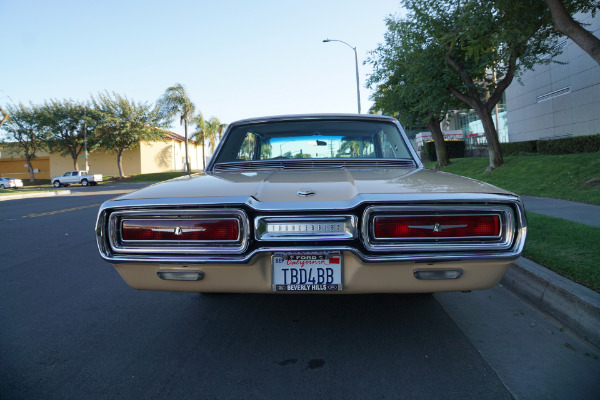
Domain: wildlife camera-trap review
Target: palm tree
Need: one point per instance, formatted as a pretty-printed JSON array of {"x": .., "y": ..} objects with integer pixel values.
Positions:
[
  {"x": 175, "y": 101},
  {"x": 199, "y": 134},
  {"x": 222, "y": 128},
  {"x": 213, "y": 128}
]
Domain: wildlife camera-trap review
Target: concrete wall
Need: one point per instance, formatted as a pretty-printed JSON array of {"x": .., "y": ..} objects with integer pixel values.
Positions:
[
  {"x": 148, "y": 158},
  {"x": 17, "y": 168},
  {"x": 99, "y": 162},
  {"x": 557, "y": 100},
  {"x": 14, "y": 165},
  {"x": 157, "y": 157}
]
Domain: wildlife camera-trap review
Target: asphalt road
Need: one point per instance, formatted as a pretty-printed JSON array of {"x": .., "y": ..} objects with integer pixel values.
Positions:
[{"x": 71, "y": 328}]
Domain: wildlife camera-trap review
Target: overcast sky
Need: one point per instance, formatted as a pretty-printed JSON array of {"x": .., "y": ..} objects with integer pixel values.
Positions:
[{"x": 237, "y": 59}]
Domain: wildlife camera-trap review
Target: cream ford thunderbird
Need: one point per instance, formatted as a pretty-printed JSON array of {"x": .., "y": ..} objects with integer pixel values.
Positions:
[{"x": 314, "y": 204}]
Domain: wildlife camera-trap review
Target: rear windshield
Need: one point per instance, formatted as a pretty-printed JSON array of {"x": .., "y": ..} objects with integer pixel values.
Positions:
[{"x": 314, "y": 139}]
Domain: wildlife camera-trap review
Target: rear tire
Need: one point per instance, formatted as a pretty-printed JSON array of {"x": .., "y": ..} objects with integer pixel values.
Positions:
[
  {"x": 56, "y": 184},
  {"x": 2, "y": 187},
  {"x": 84, "y": 182}
]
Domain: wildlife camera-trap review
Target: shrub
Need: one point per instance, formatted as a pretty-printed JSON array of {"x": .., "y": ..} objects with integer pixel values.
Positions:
[
  {"x": 456, "y": 149},
  {"x": 515, "y": 148},
  {"x": 572, "y": 145}
]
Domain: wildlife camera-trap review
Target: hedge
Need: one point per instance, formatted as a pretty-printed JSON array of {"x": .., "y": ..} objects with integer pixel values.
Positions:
[
  {"x": 571, "y": 145},
  {"x": 456, "y": 149}
]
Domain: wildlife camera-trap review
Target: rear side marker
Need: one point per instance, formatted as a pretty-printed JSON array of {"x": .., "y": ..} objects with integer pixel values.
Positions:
[
  {"x": 181, "y": 275},
  {"x": 432, "y": 274}
]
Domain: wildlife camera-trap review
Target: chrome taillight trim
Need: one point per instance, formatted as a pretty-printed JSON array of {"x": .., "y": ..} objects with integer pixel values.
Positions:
[
  {"x": 116, "y": 245},
  {"x": 452, "y": 201},
  {"x": 306, "y": 227},
  {"x": 496, "y": 237},
  {"x": 502, "y": 242}
]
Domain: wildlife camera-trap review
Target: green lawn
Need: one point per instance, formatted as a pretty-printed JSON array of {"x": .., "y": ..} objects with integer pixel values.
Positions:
[
  {"x": 567, "y": 248},
  {"x": 560, "y": 177}
]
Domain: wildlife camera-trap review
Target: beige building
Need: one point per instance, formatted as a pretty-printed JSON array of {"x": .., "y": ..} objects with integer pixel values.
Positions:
[{"x": 149, "y": 157}]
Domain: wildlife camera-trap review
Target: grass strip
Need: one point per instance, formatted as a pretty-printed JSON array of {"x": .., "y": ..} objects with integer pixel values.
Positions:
[
  {"x": 565, "y": 247},
  {"x": 573, "y": 177},
  {"x": 154, "y": 177}
]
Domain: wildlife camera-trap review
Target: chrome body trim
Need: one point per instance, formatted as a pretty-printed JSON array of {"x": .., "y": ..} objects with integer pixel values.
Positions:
[
  {"x": 310, "y": 227},
  {"x": 191, "y": 203},
  {"x": 502, "y": 242},
  {"x": 432, "y": 258},
  {"x": 202, "y": 257}
]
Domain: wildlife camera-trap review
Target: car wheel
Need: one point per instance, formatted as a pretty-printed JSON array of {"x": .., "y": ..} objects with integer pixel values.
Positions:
[
  {"x": 2, "y": 187},
  {"x": 84, "y": 182},
  {"x": 56, "y": 184}
]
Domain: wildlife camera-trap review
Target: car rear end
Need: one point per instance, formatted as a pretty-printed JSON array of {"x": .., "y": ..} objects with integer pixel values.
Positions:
[{"x": 339, "y": 222}]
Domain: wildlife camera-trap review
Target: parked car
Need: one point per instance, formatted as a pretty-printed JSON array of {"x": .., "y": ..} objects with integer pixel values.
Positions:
[
  {"x": 71, "y": 177},
  {"x": 315, "y": 203},
  {"x": 6, "y": 183}
]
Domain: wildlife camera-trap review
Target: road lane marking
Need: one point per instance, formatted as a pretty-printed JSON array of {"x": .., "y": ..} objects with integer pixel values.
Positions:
[{"x": 60, "y": 211}]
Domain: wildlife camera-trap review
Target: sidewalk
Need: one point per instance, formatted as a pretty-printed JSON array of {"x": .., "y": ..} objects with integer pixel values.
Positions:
[
  {"x": 578, "y": 212},
  {"x": 570, "y": 303}
]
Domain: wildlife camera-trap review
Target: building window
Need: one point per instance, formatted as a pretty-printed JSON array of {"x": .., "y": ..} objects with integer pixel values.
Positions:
[{"x": 553, "y": 94}]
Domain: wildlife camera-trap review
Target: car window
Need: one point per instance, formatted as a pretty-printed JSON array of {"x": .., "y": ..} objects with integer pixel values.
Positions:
[
  {"x": 391, "y": 147},
  {"x": 247, "y": 148},
  {"x": 313, "y": 139}
]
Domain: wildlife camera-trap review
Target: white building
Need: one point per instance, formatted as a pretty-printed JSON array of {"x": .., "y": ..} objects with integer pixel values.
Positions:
[{"x": 557, "y": 100}]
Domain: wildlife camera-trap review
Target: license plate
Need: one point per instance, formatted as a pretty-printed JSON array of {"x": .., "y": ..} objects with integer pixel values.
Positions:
[{"x": 307, "y": 271}]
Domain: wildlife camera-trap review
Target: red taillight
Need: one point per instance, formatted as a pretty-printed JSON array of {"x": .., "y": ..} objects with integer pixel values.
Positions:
[
  {"x": 444, "y": 226},
  {"x": 201, "y": 229}
]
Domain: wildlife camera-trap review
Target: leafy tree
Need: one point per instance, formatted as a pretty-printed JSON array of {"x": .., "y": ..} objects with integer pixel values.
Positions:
[
  {"x": 403, "y": 67},
  {"x": 25, "y": 129},
  {"x": 175, "y": 101},
  {"x": 123, "y": 124},
  {"x": 564, "y": 23},
  {"x": 486, "y": 44},
  {"x": 70, "y": 125}
]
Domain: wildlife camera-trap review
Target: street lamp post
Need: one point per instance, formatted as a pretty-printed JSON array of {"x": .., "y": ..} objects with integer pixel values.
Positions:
[{"x": 356, "y": 62}]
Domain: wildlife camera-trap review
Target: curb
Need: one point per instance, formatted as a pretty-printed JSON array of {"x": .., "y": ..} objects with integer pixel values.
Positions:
[
  {"x": 574, "y": 305},
  {"x": 42, "y": 194}
]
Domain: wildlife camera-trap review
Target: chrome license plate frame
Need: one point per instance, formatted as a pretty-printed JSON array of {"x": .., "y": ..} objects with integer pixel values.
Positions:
[{"x": 307, "y": 271}]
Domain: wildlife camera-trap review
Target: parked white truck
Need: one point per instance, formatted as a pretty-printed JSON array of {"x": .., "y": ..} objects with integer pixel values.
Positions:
[{"x": 71, "y": 177}]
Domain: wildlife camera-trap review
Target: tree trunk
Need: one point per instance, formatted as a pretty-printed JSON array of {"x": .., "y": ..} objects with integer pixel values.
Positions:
[
  {"x": 493, "y": 144},
  {"x": 120, "y": 163},
  {"x": 441, "y": 150},
  {"x": 4, "y": 116},
  {"x": 30, "y": 168},
  {"x": 565, "y": 24},
  {"x": 187, "y": 162},
  {"x": 203, "y": 156},
  {"x": 74, "y": 157}
]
